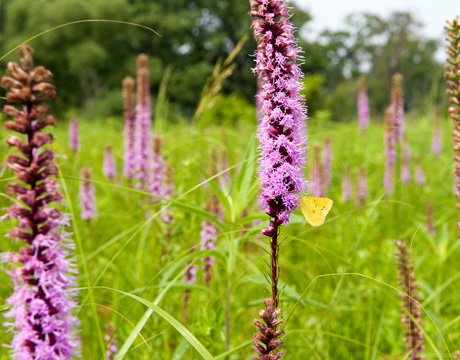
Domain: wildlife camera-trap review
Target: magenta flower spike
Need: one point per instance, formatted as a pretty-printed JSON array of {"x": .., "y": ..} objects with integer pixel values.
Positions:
[
  {"x": 156, "y": 168},
  {"x": 327, "y": 163},
  {"x": 363, "y": 105},
  {"x": 390, "y": 153},
  {"x": 419, "y": 174},
  {"x": 112, "y": 344},
  {"x": 87, "y": 194},
  {"x": 109, "y": 168},
  {"x": 413, "y": 335},
  {"x": 346, "y": 185},
  {"x": 190, "y": 277},
  {"x": 143, "y": 123},
  {"x": 208, "y": 237},
  {"x": 74, "y": 140},
  {"x": 43, "y": 271},
  {"x": 129, "y": 114},
  {"x": 405, "y": 166},
  {"x": 283, "y": 146},
  {"x": 168, "y": 189},
  {"x": 452, "y": 73},
  {"x": 436, "y": 139},
  {"x": 361, "y": 188},
  {"x": 397, "y": 107}
]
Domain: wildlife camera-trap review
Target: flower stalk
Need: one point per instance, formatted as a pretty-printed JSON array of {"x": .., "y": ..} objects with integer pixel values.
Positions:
[
  {"x": 282, "y": 139},
  {"x": 411, "y": 314},
  {"x": 363, "y": 105},
  {"x": 452, "y": 74},
  {"x": 43, "y": 272}
]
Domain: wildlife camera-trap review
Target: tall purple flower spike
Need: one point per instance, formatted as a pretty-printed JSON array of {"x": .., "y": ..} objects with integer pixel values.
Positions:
[
  {"x": 74, "y": 140},
  {"x": 42, "y": 310},
  {"x": 363, "y": 105},
  {"x": 129, "y": 160},
  {"x": 109, "y": 168},
  {"x": 436, "y": 139},
  {"x": 156, "y": 168},
  {"x": 419, "y": 174},
  {"x": 452, "y": 75},
  {"x": 405, "y": 166},
  {"x": 143, "y": 123},
  {"x": 112, "y": 345},
  {"x": 283, "y": 145},
  {"x": 327, "y": 163},
  {"x": 412, "y": 323},
  {"x": 390, "y": 153},
  {"x": 361, "y": 188},
  {"x": 87, "y": 194},
  {"x": 397, "y": 107},
  {"x": 346, "y": 185}
]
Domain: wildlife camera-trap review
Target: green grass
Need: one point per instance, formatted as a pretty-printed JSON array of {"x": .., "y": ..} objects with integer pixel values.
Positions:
[{"x": 340, "y": 297}]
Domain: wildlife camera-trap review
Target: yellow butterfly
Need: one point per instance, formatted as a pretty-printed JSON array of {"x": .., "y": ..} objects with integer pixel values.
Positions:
[{"x": 315, "y": 209}]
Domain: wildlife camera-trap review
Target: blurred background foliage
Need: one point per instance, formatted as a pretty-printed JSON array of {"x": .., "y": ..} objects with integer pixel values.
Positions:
[{"x": 89, "y": 60}]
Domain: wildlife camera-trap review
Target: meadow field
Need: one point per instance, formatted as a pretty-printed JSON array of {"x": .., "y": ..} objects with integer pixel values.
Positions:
[{"x": 339, "y": 290}]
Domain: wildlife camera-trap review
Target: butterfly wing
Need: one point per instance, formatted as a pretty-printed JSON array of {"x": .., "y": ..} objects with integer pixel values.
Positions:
[{"x": 315, "y": 209}]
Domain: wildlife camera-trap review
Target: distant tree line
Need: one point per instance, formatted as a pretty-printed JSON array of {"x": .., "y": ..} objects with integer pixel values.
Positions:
[{"x": 90, "y": 60}]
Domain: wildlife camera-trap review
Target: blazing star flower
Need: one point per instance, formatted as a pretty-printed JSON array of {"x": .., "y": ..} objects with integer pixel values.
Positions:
[
  {"x": 419, "y": 174},
  {"x": 109, "y": 168},
  {"x": 44, "y": 325},
  {"x": 87, "y": 194},
  {"x": 283, "y": 145},
  {"x": 405, "y": 167},
  {"x": 156, "y": 168},
  {"x": 397, "y": 107},
  {"x": 363, "y": 105},
  {"x": 390, "y": 153},
  {"x": 346, "y": 185},
  {"x": 361, "y": 188},
  {"x": 452, "y": 73},
  {"x": 143, "y": 123},
  {"x": 436, "y": 139},
  {"x": 412, "y": 323},
  {"x": 129, "y": 160},
  {"x": 74, "y": 141},
  {"x": 112, "y": 346}
]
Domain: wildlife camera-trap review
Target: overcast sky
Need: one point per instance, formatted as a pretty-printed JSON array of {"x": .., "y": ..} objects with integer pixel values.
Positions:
[{"x": 330, "y": 13}]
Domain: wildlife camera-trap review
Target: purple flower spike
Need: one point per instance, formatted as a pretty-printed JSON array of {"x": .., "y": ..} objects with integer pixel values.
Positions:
[
  {"x": 452, "y": 74},
  {"x": 143, "y": 123},
  {"x": 419, "y": 174},
  {"x": 42, "y": 312},
  {"x": 346, "y": 185},
  {"x": 208, "y": 236},
  {"x": 397, "y": 107},
  {"x": 363, "y": 105},
  {"x": 74, "y": 141},
  {"x": 436, "y": 139},
  {"x": 405, "y": 167},
  {"x": 282, "y": 128},
  {"x": 156, "y": 171},
  {"x": 111, "y": 339},
  {"x": 110, "y": 169},
  {"x": 87, "y": 194},
  {"x": 413, "y": 334},
  {"x": 283, "y": 143},
  {"x": 390, "y": 153},
  {"x": 327, "y": 162},
  {"x": 361, "y": 188},
  {"x": 129, "y": 160}
]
